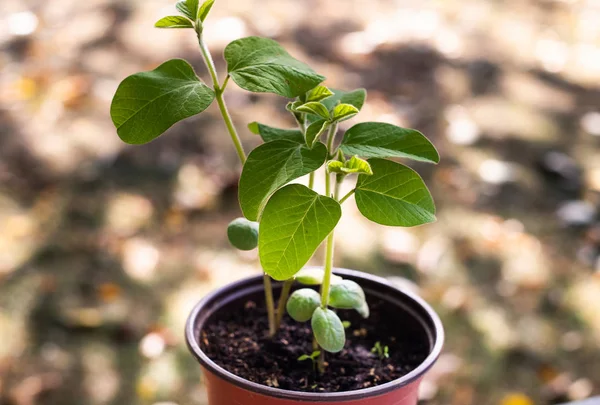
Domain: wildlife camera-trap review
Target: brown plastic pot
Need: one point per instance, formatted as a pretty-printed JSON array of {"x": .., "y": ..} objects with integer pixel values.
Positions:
[{"x": 225, "y": 388}]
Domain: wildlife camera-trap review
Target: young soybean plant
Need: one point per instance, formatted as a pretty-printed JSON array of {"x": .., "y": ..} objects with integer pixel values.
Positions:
[{"x": 292, "y": 219}]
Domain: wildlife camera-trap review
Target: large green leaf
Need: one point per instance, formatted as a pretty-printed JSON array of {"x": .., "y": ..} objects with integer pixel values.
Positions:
[
  {"x": 378, "y": 139},
  {"x": 394, "y": 195},
  {"x": 355, "y": 98},
  {"x": 262, "y": 65},
  {"x": 147, "y": 104},
  {"x": 328, "y": 330},
  {"x": 192, "y": 6},
  {"x": 270, "y": 134},
  {"x": 294, "y": 223},
  {"x": 271, "y": 166},
  {"x": 183, "y": 9},
  {"x": 204, "y": 9}
]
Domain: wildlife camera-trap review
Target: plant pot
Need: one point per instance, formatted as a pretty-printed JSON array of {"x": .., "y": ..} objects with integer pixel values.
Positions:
[{"x": 225, "y": 388}]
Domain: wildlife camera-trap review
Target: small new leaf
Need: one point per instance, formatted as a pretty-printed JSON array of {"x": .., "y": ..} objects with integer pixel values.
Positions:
[
  {"x": 328, "y": 330},
  {"x": 192, "y": 6},
  {"x": 314, "y": 107},
  {"x": 205, "y": 9},
  {"x": 311, "y": 356},
  {"x": 318, "y": 93},
  {"x": 270, "y": 134},
  {"x": 382, "y": 351},
  {"x": 262, "y": 65},
  {"x": 302, "y": 303},
  {"x": 174, "y": 21},
  {"x": 343, "y": 112},
  {"x": 146, "y": 104},
  {"x": 314, "y": 131},
  {"x": 354, "y": 165},
  {"x": 314, "y": 276},
  {"x": 394, "y": 195},
  {"x": 183, "y": 9},
  {"x": 355, "y": 98},
  {"x": 294, "y": 223}
]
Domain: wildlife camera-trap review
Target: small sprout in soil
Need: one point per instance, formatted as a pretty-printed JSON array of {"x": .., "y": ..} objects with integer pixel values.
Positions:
[
  {"x": 295, "y": 219},
  {"x": 312, "y": 357},
  {"x": 383, "y": 352},
  {"x": 346, "y": 324}
]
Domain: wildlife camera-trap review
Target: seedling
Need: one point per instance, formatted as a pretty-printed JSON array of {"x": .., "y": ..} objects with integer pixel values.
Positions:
[
  {"x": 295, "y": 219},
  {"x": 312, "y": 357},
  {"x": 383, "y": 352}
]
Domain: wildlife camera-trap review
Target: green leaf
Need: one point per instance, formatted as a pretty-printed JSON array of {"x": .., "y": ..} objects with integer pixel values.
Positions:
[
  {"x": 192, "y": 6},
  {"x": 356, "y": 98},
  {"x": 314, "y": 276},
  {"x": 183, "y": 9},
  {"x": 346, "y": 324},
  {"x": 318, "y": 93},
  {"x": 262, "y": 65},
  {"x": 243, "y": 234},
  {"x": 205, "y": 9},
  {"x": 394, "y": 195},
  {"x": 302, "y": 303},
  {"x": 272, "y": 165},
  {"x": 343, "y": 112},
  {"x": 316, "y": 108},
  {"x": 295, "y": 222},
  {"x": 174, "y": 21},
  {"x": 270, "y": 134},
  {"x": 354, "y": 165},
  {"x": 328, "y": 330},
  {"x": 147, "y": 104},
  {"x": 378, "y": 139},
  {"x": 348, "y": 295},
  {"x": 314, "y": 131}
]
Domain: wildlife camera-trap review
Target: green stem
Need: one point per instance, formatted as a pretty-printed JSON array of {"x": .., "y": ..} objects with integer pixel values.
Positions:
[
  {"x": 270, "y": 304},
  {"x": 285, "y": 293},
  {"x": 311, "y": 180},
  {"x": 344, "y": 198},
  {"x": 210, "y": 64},
  {"x": 330, "y": 138}
]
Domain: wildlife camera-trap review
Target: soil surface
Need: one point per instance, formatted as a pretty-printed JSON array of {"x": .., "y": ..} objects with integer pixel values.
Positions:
[{"x": 237, "y": 340}]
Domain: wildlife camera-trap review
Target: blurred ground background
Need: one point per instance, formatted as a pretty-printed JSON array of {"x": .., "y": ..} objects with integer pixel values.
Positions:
[{"x": 104, "y": 248}]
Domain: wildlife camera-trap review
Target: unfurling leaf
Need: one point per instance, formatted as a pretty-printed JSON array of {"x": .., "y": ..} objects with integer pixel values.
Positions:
[
  {"x": 348, "y": 295},
  {"x": 270, "y": 134},
  {"x": 183, "y": 9},
  {"x": 175, "y": 21},
  {"x": 205, "y": 9},
  {"x": 243, "y": 234},
  {"x": 318, "y": 93},
  {"x": 302, "y": 303},
  {"x": 314, "y": 276},
  {"x": 314, "y": 131},
  {"x": 316, "y": 108},
  {"x": 354, "y": 165},
  {"x": 382, "y": 140},
  {"x": 271, "y": 166},
  {"x": 355, "y": 98},
  {"x": 328, "y": 330},
  {"x": 343, "y": 112},
  {"x": 146, "y": 104},
  {"x": 294, "y": 223},
  {"x": 394, "y": 195},
  {"x": 192, "y": 6},
  {"x": 262, "y": 65}
]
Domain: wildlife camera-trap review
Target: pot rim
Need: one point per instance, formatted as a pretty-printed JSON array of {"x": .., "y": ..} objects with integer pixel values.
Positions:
[{"x": 207, "y": 363}]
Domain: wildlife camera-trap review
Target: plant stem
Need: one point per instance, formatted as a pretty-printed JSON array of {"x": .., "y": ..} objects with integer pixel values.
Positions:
[
  {"x": 285, "y": 293},
  {"x": 311, "y": 180},
  {"x": 270, "y": 303},
  {"x": 330, "y": 138},
  {"x": 344, "y": 198},
  {"x": 210, "y": 64}
]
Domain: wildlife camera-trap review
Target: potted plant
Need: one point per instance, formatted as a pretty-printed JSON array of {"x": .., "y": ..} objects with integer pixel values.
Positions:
[{"x": 350, "y": 337}]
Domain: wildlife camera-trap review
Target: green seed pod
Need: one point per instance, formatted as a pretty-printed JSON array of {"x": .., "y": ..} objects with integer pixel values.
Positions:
[
  {"x": 243, "y": 234},
  {"x": 302, "y": 303}
]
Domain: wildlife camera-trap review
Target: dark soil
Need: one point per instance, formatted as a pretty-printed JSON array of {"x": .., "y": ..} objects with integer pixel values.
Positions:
[{"x": 237, "y": 341}]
